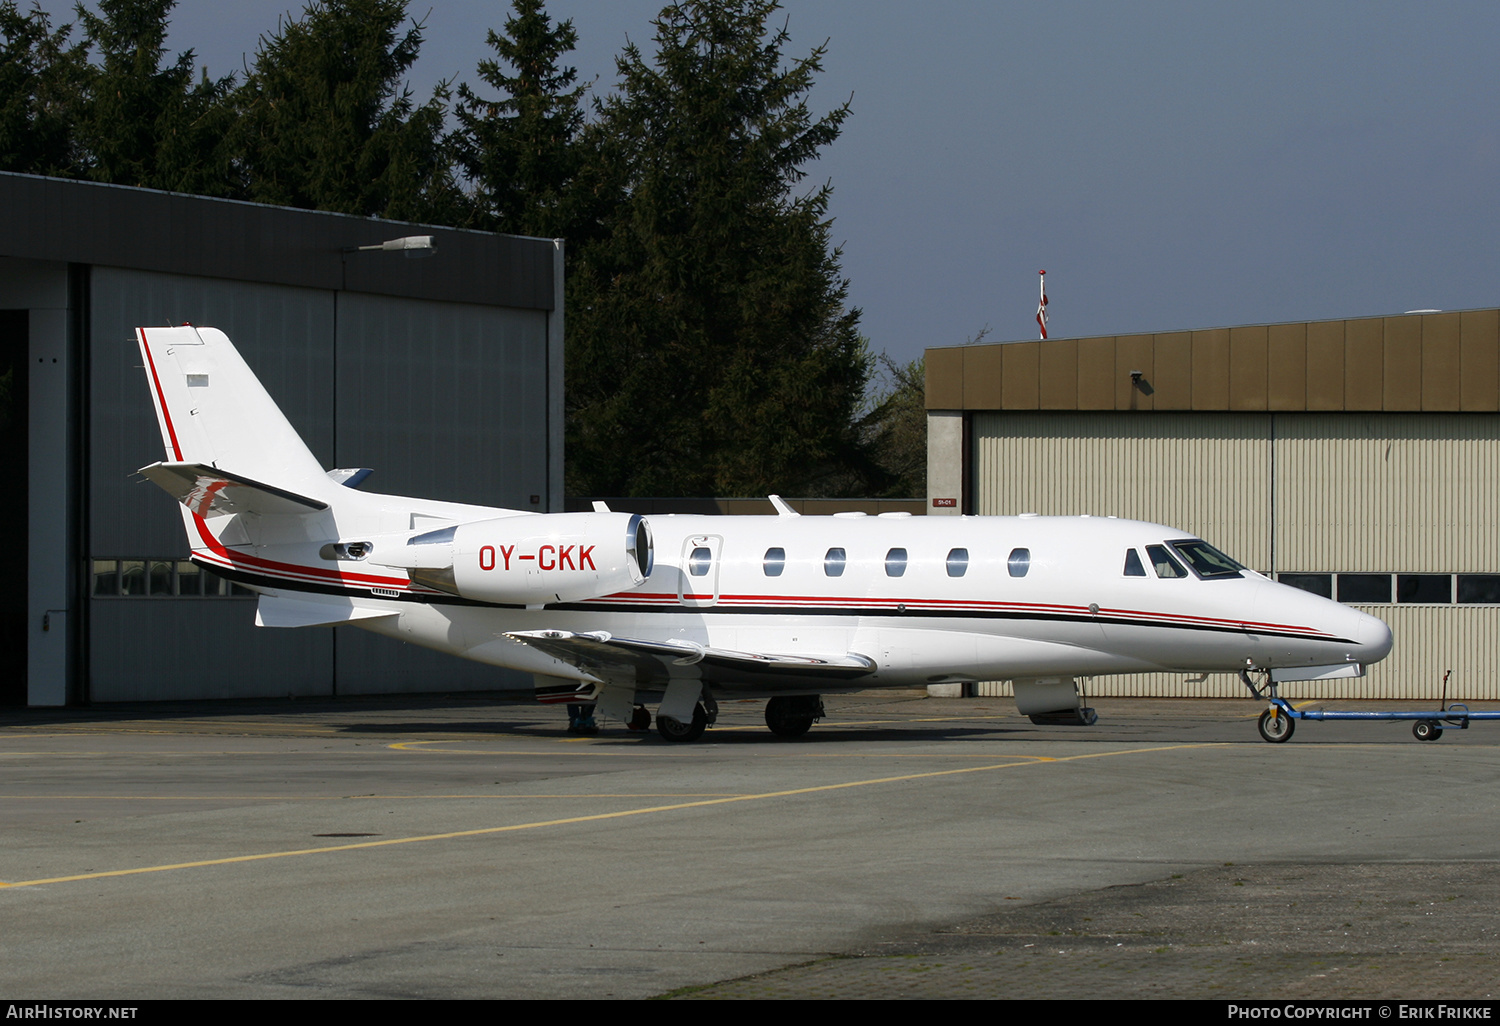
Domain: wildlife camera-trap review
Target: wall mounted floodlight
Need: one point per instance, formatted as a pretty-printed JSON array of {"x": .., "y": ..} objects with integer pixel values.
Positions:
[{"x": 412, "y": 245}]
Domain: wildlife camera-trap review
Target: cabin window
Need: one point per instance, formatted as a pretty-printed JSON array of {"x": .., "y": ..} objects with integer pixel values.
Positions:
[
  {"x": 1163, "y": 563},
  {"x": 775, "y": 562},
  {"x": 1207, "y": 562},
  {"x": 833, "y": 562},
  {"x": 1019, "y": 562},
  {"x": 958, "y": 562},
  {"x": 699, "y": 562},
  {"x": 895, "y": 563},
  {"x": 1133, "y": 567}
]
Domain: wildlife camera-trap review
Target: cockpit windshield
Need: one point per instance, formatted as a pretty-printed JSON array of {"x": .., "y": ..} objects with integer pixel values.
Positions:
[{"x": 1206, "y": 561}]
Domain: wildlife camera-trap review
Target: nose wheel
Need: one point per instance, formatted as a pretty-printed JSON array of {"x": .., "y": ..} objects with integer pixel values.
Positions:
[{"x": 1276, "y": 726}]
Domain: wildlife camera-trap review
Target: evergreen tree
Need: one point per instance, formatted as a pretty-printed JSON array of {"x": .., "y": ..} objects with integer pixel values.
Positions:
[
  {"x": 896, "y": 428},
  {"x": 710, "y": 348},
  {"x": 143, "y": 122},
  {"x": 519, "y": 151},
  {"x": 325, "y": 122},
  {"x": 40, "y": 90}
]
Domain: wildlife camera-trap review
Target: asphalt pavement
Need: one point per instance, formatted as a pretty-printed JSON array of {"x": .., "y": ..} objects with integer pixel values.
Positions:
[{"x": 907, "y": 846}]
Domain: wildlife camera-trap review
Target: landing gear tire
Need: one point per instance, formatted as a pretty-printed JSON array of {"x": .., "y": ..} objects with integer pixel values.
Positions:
[
  {"x": 1276, "y": 726},
  {"x": 1426, "y": 730},
  {"x": 791, "y": 716},
  {"x": 640, "y": 720},
  {"x": 672, "y": 730}
]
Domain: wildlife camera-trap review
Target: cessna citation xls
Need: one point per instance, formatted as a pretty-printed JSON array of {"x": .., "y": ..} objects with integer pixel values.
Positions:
[{"x": 608, "y": 608}]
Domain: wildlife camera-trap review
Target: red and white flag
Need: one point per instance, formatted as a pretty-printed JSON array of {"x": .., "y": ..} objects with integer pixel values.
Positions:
[{"x": 1041, "y": 306}]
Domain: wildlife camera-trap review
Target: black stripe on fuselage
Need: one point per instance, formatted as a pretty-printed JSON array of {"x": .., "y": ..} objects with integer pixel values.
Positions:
[{"x": 428, "y": 598}]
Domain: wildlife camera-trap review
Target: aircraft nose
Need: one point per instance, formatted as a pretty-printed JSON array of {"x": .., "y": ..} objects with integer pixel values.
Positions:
[{"x": 1373, "y": 637}]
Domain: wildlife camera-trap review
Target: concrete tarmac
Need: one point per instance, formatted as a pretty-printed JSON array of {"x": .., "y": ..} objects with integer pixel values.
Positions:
[{"x": 908, "y": 846}]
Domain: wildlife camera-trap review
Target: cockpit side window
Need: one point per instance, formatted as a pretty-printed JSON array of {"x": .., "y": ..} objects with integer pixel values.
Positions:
[
  {"x": 1163, "y": 563},
  {"x": 1133, "y": 567},
  {"x": 1207, "y": 562}
]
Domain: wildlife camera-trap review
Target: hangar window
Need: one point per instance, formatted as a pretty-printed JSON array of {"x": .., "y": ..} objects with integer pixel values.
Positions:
[
  {"x": 1431, "y": 588},
  {"x": 1019, "y": 562},
  {"x": 106, "y": 577},
  {"x": 699, "y": 562},
  {"x": 158, "y": 578},
  {"x": 1479, "y": 588},
  {"x": 775, "y": 562},
  {"x": 1133, "y": 567},
  {"x": 132, "y": 577},
  {"x": 958, "y": 562},
  {"x": 1318, "y": 584},
  {"x": 833, "y": 562},
  {"x": 895, "y": 563},
  {"x": 1364, "y": 587},
  {"x": 1163, "y": 563}
]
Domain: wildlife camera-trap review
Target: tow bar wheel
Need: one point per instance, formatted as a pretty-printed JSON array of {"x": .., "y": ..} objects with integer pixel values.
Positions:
[
  {"x": 1276, "y": 726},
  {"x": 1426, "y": 730}
]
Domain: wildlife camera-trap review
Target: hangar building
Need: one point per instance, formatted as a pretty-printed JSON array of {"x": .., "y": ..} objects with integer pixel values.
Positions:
[
  {"x": 443, "y": 375},
  {"x": 1358, "y": 459}
]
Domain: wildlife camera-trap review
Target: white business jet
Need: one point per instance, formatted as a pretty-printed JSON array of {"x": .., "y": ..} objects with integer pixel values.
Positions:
[{"x": 610, "y": 608}]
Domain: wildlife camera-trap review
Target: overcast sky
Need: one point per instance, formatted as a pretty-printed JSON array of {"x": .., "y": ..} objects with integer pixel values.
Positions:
[{"x": 1171, "y": 165}]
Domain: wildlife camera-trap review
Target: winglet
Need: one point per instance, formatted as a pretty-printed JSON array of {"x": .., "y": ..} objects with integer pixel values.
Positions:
[
  {"x": 600, "y": 506},
  {"x": 782, "y": 509}
]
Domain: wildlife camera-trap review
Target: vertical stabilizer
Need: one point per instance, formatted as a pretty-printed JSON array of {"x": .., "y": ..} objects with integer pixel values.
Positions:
[{"x": 213, "y": 410}]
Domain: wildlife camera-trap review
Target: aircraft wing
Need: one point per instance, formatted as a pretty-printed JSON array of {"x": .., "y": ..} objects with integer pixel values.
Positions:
[
  {"x": 209, "y": 491},
  {"x": 642, "y": 662}
]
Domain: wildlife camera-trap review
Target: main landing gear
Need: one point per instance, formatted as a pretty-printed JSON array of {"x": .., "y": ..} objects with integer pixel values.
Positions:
[
  {"x": 793, "y": 715},
  {"x": 672, "y": 730}
]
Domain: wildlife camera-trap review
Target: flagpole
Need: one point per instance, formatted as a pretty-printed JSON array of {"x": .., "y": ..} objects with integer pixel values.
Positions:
[{"x": 1041, "y": 306}]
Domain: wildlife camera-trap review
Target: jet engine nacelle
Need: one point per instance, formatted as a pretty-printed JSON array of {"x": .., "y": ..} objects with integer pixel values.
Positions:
[{"x": 535, "y": 558}]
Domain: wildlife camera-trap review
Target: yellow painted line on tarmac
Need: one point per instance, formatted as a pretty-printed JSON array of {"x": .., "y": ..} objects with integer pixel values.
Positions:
[
  {"x": 625, "y": 747},
  {"x": 594, "y": 818},
  {"x": 343, "y": 797}
]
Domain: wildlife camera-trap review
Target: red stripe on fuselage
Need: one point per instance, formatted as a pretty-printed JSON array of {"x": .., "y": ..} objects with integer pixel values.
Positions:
[{"x": 244, "y": 559}]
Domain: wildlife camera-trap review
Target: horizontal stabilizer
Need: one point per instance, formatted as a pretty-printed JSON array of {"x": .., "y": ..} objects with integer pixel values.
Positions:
[
  {"x": 209, "y": 491},
  {"x": 311, "y": 611},
  {"x": 646, "y": 661}
]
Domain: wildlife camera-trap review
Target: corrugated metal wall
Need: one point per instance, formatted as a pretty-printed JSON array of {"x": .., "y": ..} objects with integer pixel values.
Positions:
[
  {"x": 1388, "y": 492},
  {"x": 1378, "y": 493},
  {"x": 1208, "y": 472}
]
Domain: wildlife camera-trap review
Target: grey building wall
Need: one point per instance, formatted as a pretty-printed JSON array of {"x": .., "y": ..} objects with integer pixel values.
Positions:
[{"x": 442, "y": 374}]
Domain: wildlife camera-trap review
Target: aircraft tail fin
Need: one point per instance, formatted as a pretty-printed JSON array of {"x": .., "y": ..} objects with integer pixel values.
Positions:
[{"x": 214, "y": 413}]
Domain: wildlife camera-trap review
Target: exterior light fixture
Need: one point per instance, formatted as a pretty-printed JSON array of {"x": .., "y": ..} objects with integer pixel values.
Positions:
[{"x": 413, "y": 246}]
